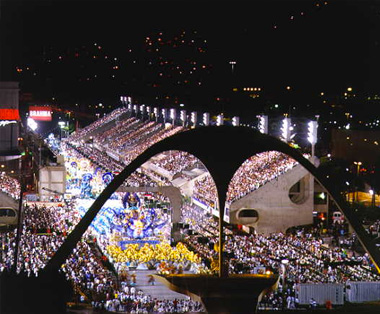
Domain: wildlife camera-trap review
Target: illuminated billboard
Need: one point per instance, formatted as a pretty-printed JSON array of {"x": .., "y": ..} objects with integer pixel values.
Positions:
[
  {"x": 9, "y": 114},
  {"x": 40, "y": 113}
]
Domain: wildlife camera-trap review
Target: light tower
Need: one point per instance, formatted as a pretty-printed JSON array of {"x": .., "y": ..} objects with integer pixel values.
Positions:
[
  {"x": 194, "y": 118},
  {"x": 183, "y": 117},
  {"x": 235, "y": 121},
  {"x": 173, "y": 115},
  {"x": 263, "y": 124},
  {"x": 219, "y": 120},
  {"x": 285, "y": 130},
  {"x": 312, "y": 136},
  {"x": 206, "y": 118}
]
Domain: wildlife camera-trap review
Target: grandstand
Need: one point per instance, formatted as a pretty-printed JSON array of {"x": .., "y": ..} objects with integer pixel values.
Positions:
[
  {"x": 145, "y": 227},
  {"x": 264, "y": 174}
]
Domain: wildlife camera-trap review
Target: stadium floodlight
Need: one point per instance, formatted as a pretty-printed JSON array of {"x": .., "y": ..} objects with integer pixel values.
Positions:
[
  {"x": 194, "y": 118},
  {"x": 33, "y": 124},
  {"x": 136, "y": 109},
  {"x": 163, "y": 112},
  {"x": 148, "y": 109},
  {"x": 183, "y": 116},
  {"x": 173, "y": 115},
  {"x": 206, "y": 119},
  {"x": 285, "y": 130},
  {"x": 156, "y": 113},
  {"x": 235, "y": 121},
  {"x": 312, "y": 132},
  {"x": 130, "y": 107},
  {"x": 219, "y": 120},
  {"x": 312, "y": 135},
  {"x": 263, "y": 124}
]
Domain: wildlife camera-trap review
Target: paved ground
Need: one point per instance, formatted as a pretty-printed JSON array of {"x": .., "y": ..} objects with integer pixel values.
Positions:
[{"x": 158, "y": 290}]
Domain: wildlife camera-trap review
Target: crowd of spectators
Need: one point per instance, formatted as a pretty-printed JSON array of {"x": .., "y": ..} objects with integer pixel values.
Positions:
[
  {"x": 253, "y": 173},
  {"x": 130, "y": 137},
  {"x": 10, "y": 186},
  {"x": 308, "y": 258},
  {"x": 80, "y": 134},
  {"x": 175, "y": 161},
  {"x": 44, "y": 230},
  {"x": 258, "y": 170},
  {"x": 308, "y": 255},
  {"x": 205, "y": 191},
  {"x": 114, "y": 132},
  {"x": 145, "y": 142}
]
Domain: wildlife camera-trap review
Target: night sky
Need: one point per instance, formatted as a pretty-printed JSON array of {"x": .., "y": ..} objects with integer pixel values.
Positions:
[{"x": 312, "y": 46}]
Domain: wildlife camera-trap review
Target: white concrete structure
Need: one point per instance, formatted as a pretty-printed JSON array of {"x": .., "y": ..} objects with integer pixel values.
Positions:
[
  {"x": 52, "y": 178},
  {"x": 280, "y": 204}
]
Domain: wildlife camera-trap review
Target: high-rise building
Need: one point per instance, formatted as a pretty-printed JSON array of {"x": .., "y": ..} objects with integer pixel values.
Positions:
[{"x": 9, "y": 121}]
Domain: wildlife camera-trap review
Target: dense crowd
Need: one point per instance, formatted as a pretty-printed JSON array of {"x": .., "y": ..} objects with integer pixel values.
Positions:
[
  {"x": 205, "y": 191},
  {"x": 308, "y": 258},
  {"x": 128, "y": 137},
  {"x": 10, "y": 186},
  {"x": 80, "y": 134},
  {"x": 45, "y": 229},
  {"x": 175, "y": 161},
  {"x": 256, "y": 171},
  {"x": 301, "y": 256}
]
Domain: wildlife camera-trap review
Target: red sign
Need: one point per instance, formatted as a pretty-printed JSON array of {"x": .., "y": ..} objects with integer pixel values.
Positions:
[
  {"x": 40, "y": 113},
  {"x": 9, "y": 114}
]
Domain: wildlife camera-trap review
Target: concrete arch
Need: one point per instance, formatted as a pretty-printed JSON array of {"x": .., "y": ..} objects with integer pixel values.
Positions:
[{"x": 222, "y": 150}]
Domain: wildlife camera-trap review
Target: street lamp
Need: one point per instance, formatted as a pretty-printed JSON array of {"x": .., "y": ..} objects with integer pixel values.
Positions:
[
  {"x": 358, "y": 163},
  {"x": 232, "y": 63}
]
